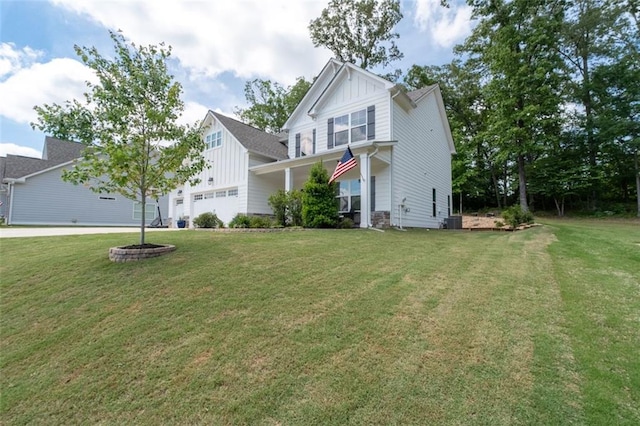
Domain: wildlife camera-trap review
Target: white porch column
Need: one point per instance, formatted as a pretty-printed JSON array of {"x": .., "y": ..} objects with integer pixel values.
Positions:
[
  {"x": 365, "y": 201},
  {"x": 288, "y": 182}
]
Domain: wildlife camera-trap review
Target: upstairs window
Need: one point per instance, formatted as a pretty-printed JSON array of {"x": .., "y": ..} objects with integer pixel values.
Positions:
[
  {"x": 349, "y": 128},
  {"x": 359, "y": 126},
  {"x": 306, "y": 143},
  {"x": 341, "y": 129},
  {"x": 213, "y": 140}
]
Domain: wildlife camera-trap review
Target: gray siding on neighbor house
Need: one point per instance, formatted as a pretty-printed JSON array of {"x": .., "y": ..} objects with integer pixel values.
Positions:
[{"x": 45, "y": 199}]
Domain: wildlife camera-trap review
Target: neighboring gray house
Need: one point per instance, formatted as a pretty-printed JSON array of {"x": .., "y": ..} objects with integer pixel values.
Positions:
[
  {"x": 33, "y": 193},
  {"x": 401, "y": 141}
]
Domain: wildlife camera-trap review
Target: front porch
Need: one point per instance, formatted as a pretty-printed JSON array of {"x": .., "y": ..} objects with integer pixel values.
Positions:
[{"x": 364, "y": 192}]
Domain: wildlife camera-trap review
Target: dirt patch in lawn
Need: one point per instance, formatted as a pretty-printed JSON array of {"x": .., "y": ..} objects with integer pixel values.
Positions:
[
  {"x": 481, "y": 222},
  {"x": 489, "y": 223}
]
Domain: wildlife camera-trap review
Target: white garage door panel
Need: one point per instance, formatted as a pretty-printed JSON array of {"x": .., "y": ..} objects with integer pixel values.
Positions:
[
  {"x": 203, "y": 206},
  {"x": 225, "y": 208}
]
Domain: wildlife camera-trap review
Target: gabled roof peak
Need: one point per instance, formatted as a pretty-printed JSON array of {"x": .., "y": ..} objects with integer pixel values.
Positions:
[{"x": 254, "y": 140}]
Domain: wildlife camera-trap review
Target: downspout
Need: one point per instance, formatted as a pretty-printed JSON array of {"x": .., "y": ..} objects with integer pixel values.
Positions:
[
  {"x": 391, "y": 171},
  {"x": 368, "y": 207}
]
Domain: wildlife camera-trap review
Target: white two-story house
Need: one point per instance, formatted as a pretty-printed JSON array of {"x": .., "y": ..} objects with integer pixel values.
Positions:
[{"x": 401, "y": 141}]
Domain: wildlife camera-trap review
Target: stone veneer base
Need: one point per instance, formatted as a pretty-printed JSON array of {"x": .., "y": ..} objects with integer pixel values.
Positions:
[{"x": 119, "y": 254}]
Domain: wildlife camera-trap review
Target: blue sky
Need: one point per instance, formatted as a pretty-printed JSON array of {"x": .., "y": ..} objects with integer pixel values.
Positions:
[{"x": 217, "y": 46}]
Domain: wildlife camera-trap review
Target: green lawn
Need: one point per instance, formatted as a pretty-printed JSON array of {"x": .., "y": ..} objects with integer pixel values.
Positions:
[{"x": 540, "y": 326}]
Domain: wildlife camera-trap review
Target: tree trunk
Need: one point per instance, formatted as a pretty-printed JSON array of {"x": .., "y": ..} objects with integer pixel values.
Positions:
[
  {"x": 522, "y": 183},
  {"x": 496, "y": 188},
  {"x": 506, "y": 189},
  {"x": 559, "y": 206},
  {"x": 144, "y": 205}
]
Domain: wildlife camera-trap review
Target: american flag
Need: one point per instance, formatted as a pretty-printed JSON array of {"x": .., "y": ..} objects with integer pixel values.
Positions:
[{"x": 346, "y": 163}]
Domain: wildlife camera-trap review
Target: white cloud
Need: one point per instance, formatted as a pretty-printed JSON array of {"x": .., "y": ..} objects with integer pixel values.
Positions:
[
  {"x": 249, "y": 38},
  {"x": 447, "y": 26},
  {"x": 56, "y": 81},
  {"x": 193, "y": 111},
  {"x": 12, "y": 59},
  {"x": 12, "y": 148}
]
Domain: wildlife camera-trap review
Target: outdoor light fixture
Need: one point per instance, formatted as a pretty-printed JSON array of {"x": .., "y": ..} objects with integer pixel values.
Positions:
[{"x": 210, "y": 181}]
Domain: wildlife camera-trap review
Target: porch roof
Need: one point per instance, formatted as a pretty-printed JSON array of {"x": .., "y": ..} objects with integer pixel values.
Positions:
[{"x": 331, "y": 155}]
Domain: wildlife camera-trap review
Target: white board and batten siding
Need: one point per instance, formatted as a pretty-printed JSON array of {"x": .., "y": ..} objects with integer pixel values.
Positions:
[
  {"x": 349, "y": 94},
  {"x": 421, "y": 162},
  {"x": 45, "y": 199},
  {"x": 227, "y": 167}
]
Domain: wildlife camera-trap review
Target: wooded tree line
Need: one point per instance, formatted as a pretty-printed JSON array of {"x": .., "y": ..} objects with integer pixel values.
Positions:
[{"x": 543, "y": 97}]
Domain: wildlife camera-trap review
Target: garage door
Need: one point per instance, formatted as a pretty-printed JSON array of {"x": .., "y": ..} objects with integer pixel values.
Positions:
[{"x": 224, "y": 203}]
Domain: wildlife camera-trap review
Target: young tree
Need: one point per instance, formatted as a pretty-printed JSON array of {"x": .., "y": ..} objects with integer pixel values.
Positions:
[
  {"x": 271, "y": 104},
  {"x": 133, "y": 144},
  {"x": 356, "y": 30},
  {"x": 319, "y": 206}
]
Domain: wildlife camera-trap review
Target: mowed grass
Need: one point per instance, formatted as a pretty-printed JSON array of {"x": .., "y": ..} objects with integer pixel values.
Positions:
[{"x": 540, "y": 326}]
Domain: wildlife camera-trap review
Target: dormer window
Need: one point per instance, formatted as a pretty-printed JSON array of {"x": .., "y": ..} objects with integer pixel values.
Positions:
[{"x": 213, "y": 140}]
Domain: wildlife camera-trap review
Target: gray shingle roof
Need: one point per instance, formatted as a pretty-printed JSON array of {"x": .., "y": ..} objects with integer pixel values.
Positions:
[
  {"x": 3, "y": 167},
  {"x": 254, "y": 140},
  {"x": 55, "y": 152},
  {"x": 60, "y": 151},
  {"x": 417, "y": 94}
]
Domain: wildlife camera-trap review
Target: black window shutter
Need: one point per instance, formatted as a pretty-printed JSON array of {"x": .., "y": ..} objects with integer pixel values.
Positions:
[
  {"x": 314, "y": 141},
  {"x": 371, "y": 122},
  {"x": 330, "y": 133},
  {"x": 373, "y": 193},
  {"x": 297, "y": 145}
]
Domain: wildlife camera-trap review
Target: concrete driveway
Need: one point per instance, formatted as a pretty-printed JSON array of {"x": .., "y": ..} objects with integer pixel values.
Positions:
[{"x": 10, "y": 232}]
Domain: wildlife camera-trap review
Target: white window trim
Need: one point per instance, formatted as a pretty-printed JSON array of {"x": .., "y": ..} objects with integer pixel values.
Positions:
[
  {"x": 213, "y": 140},
  {"x": 150, "y": 211},
  {"x": 349, "y": 128},
  {"x": 349, "y": 196}
]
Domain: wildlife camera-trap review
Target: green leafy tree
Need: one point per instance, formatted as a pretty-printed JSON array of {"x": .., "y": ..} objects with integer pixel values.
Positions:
[
  {"x": 271, "y": 104},
  {"x": 319, "y": 206},
  {"x": 515, "y": 47},
  {"x": 476, "y": 169},
  {"x": 589, "y": 36},
  {"x": 294, "y": 208},
  {"x": 134, "y": 146},
  {"x": 561, "y": 172},
  {"x": 278, "y": 203},
  {"x": 617, "y": 92},
  {"x": 359, "y": 31}
]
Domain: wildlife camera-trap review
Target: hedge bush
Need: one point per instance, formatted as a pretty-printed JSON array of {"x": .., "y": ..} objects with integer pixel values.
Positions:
[
  {"x": 208, "y": 220},
  {"x": 514, "y": 216}
]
